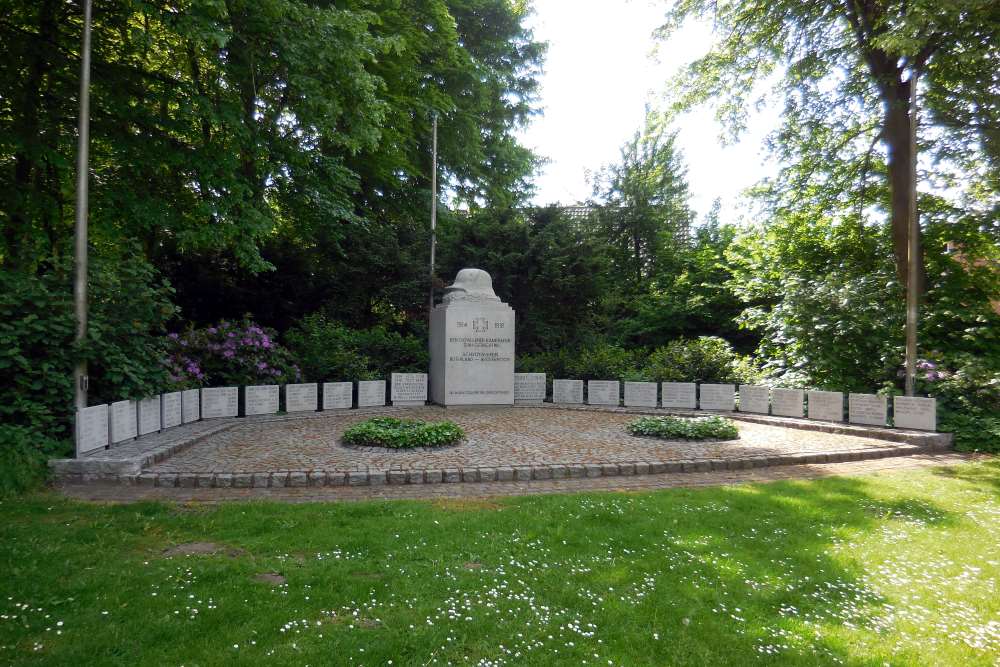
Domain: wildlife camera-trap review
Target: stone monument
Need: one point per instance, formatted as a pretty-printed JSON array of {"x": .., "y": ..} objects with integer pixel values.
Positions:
[{"x": 472, "y": 344}]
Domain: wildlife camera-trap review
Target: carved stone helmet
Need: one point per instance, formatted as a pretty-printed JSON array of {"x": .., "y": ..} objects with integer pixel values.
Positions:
[{"x": 471, "y": 285}]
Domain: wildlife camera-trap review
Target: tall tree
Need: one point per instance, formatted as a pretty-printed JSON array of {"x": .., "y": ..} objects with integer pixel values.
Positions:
[{"x": 848, "y": 67}]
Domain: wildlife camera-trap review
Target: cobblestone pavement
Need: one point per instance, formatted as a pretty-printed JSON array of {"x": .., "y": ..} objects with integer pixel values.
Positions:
[
  {"x": 118, "y": 493},
  {"x": 496, "y": 437}
]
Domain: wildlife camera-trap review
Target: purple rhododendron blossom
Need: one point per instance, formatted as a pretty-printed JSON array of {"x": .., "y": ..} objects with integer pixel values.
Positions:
[
  {"x": 229, "y": 354},
  {"x": 173, "y": 336},
  {"x": 213, "y": 330}
]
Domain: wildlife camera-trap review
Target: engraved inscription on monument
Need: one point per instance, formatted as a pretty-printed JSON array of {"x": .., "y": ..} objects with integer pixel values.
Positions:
[
  {"x": 529, "y": 387},
  {"x": 220, "y": 402},
  {"x": 679, "y": 395},
  {"x": 567, "y": 391},
  {"x": 603, "y": 392},
  {"x": 788, "y": 402},
  {"x": 640, "y": 394},
  {"x": 339, "y": 395},
  {"x": 260, "y": 399},
  {"x": 754, "y": 398},
  {"x": 826, "y": 405},
  {"x": 867, "y": 409},
  {"x": 123, "y": 421},
  {"x": 409, "y": 388},
  {"x": 91, "y": 429},
  {"x": 717, "y": 397},
  {"x": 171, "y": 409},
  {"x": 302, "y": 397},
  {"x": 191, "y": 405},
  {"x": 149, "y": 415},
  {"x": 915, "y": 412},
  {"x": 371, "y": 393},
  {"x": 472, "y": 344}
]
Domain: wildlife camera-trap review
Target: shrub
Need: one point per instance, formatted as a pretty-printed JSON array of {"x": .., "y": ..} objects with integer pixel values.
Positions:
[
  {"x": 968, "y": 391},
  {"x": 227, "y": 354},
  {"x": 402, "y": 433},
  {"x": 697, "y": 428},
  {"x": 22, "y": 458},
  {"x": 705, "y": 359},
  {"x": 328, "y": 350},
  {"x": 593, "y": 362}
]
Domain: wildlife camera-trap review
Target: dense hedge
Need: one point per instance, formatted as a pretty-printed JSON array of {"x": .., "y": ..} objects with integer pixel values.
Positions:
[
  {"x": 402, "y": 433},
  {"x": 684, "y": 428}
]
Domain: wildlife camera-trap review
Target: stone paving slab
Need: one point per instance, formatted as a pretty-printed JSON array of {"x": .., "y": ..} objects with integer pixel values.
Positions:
[{"x": 105, "y": 492}]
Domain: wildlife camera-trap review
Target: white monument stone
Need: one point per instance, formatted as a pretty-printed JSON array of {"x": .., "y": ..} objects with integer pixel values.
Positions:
[
  {"x": 754, "y": 398},
  {"x": 191, "y": 405},
  {"x": 529, "y": 387},
  {"x": 679, "y": 395},
  {"x": 170, "y": 405},
  {"x": 371, "y": 393},
  {"x": 717, "y": 397},
  {"x": 788, "y": 402},
  {"x": 302, "y": 397},
  {"x": 149, "y": 415},
  {"x": 640, "y": 394},
  {"x": 261, "y": 399},
  {"x": 914, "y": 412},
  {"x": 124, "y": 425},
  {"x": 472, "y": 344},
  {"x": 339, "y": 395},
  {"x": 409, "y": 388},
  {"x": 867, "y": 409},
  {"x": 91, "y": 429},
  {"x": 826, "y": 405},
  {"x": 567, "y": 391},
  {"x": 220, "y": 402},
  {"x": 603, "y": 392}
]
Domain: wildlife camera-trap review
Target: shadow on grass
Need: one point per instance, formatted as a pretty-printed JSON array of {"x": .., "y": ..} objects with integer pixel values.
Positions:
[{"x": 985, "y": 473}]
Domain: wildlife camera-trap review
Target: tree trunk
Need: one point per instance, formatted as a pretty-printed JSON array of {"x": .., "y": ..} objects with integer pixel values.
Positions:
[{"x": 896, "y": 101}]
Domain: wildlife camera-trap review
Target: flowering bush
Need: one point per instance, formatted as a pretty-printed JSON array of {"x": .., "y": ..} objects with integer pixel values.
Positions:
[
  {"x": 229, "y": 354},
  {"x": 968, "y": 391}
]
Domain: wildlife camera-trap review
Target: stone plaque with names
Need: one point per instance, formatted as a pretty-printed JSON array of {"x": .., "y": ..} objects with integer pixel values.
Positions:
[
  {"x": 603, "y": 392},
  {"x": 371, "y": 393},
  {"x": 826, "y": 405},
  {"x": 914, "y": 412},
  {"x": 679, "y": 395},
  {"x": 338, "y": 395},
  {"x": 529, "y": 387},
  {"x": 91, "y": 429},
  {"x": 409, "y": 388},
  {"x": 640, "y": 394},
  {"x": 124, "y": 425},
  {"x": 149, "y": 415},
  {"x": 567, "y": 391},
  {"x": 754, "y": 398},
  {"x": 472, "y": 344},
  {"x": 261, "y": 399},
  {"x": 191, "y": 405},
  {"x": 867, "y": 409},
  {"x": 717, "y": 397},
  {"x": 171, "y": 409},
  {"x": 220, "y": 402},
  {"x": 788, "y": 402},
  {"x": 303, "y": 397}
]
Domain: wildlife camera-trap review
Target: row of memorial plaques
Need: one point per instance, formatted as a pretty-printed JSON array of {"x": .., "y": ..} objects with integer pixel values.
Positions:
[{"x": 103, "y": 425}]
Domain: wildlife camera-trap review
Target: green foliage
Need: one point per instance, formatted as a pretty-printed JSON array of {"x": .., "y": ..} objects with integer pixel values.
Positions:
[
  {"x": 23, "y": 452},
  {"x": 402, "y": 433},
  {"x": 597, "y": 361},
  {"x": 968, "y": 391},
  {"x": 684, "y": 428},
  {"x": 124, "y": 349},
  {"x": 327, "y": 350},
  {"x": 705, "y": 359},
  {"x": 229, "y": 353}
]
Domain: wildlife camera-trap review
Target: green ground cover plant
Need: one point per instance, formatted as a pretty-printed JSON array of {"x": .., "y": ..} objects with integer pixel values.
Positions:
[
  {"x": 894, "y": 569},
  {"x": 684, "y": 428},
  {"x": 403, "y": 433}
]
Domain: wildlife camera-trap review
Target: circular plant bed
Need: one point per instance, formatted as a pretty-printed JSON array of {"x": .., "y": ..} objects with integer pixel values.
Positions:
[
  {"x": 402, "y": 433},
  {"x": 684, "y": 428}
]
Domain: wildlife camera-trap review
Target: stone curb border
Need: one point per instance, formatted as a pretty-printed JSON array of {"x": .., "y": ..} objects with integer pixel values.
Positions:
[{"x": 318, "y": 478}]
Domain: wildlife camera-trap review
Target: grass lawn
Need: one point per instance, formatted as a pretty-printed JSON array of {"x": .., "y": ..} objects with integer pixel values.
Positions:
[{"x": 901, "y": 569}]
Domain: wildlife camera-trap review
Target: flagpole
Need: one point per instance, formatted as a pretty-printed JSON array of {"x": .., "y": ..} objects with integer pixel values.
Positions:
[
  {"x": 434, "y": 149},
  {"x": 80, "y": 379}
]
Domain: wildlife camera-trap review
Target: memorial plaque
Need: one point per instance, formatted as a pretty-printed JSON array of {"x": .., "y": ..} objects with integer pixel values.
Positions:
[
  {"x": 338, "y": 395},
  {"x": 567, "y": 391},
  {"x": 640, "y": 394},
  {"x": 191, "y": 405},
  {"x": 124, "y": 425},
  {"x": 867, "y": 409},
  {"x": 91, "y": 429},
  {"x": 826, "y": 405},
  {"x": 717, "y": 397},
  {"x": 261, "y": 399},
  {"x": 603, "y": 392},
  {"x": 472, "y": 344},
  {"x": 149, "y": 415},
  {"x": 171, "y": 409},
  {"x": 529, "y": 387},
  {"x": 914, "y": 412},
  {"x": 788, "y": 402},
  {"x": 754, "y": 398},
  {"x": 301, "y": 397},
  {"x": 409, "y": 388},
  {"x": 371, "y": 393},
  {"x": 679, "y": 395},
  {"x": 220, "y": 402}
]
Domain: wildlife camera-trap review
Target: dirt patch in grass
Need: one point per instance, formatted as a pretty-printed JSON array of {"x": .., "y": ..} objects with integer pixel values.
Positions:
[
  {"x": 272, "y": 578},
  {"x": 202, "y": 549},
  {"x": 468, "y": 504},
  {"x": 471, "y": 565}
]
